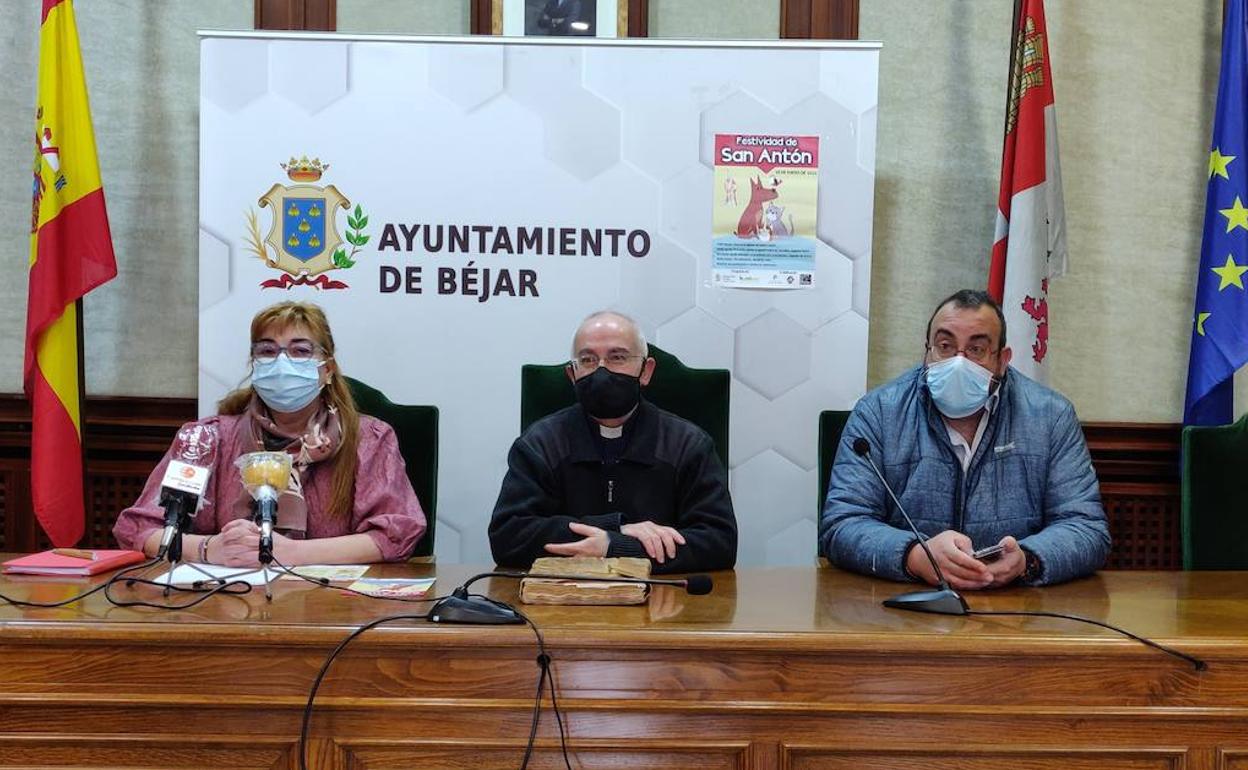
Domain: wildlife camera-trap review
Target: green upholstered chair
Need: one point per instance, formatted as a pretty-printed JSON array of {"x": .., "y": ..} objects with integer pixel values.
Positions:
[
  {"x": 416, "y": 428},
  {"x": 831, "y": 425},
  {"x": 1215, "y": 505},
  {"x": 698, "y": 395}
]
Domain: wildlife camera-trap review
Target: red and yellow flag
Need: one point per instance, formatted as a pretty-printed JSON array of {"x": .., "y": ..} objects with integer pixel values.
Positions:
[
  {"x": 71, "y": 252},
  {"x": 1029, "y": 246}
]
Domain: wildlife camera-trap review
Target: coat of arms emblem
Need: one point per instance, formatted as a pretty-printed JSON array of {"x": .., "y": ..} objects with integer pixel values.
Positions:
[{"x": 303, "y": 240}]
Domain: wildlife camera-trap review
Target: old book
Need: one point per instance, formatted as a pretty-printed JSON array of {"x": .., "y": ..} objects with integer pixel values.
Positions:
[{"x": 568, "y": 590}]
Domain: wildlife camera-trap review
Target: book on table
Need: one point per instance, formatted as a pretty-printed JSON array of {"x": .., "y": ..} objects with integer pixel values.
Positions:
[
  {"x": 560, "y": 586},
  {"x": 84, "y": 563}
]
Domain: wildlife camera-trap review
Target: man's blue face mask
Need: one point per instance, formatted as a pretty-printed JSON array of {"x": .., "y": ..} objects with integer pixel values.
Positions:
[{"x": 959, "y": 386}]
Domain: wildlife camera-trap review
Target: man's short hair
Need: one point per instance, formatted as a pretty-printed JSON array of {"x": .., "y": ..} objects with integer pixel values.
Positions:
[
  {"x": 639, "y": 337},
  {"x": 969, "y": 299}
]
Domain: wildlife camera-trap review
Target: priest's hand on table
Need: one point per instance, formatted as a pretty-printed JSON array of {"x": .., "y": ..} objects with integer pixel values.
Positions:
[{"x": 594, "y": 543}]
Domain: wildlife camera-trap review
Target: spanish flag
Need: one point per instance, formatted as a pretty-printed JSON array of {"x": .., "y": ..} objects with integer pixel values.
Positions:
[{"x": 71, "y": 252}]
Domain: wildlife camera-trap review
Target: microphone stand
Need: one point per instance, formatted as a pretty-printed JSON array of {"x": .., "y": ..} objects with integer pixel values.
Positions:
[
  {"x": 942, "y": 600},
  {"x": 462, "y": 607},
  {"x": 265, "y": 475},
  {"x": 266, "y": 516},
  {"x": 946, "y": 601},
  {"x": 178, "y": 515}
]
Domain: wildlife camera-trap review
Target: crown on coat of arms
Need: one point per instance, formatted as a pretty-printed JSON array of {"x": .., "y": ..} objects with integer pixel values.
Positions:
[{"x": 304, "y": 170}]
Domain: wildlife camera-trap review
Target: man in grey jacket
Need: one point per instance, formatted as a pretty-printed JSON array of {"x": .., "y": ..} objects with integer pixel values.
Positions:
[{"x": 979, "y": 455}]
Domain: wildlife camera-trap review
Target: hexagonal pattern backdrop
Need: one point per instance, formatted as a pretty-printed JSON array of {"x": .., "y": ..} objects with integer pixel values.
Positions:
[{"x": 431, "y": 138}]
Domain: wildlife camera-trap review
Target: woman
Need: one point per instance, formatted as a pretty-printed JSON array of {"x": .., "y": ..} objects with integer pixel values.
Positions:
[{"x": 349, "y": 500}]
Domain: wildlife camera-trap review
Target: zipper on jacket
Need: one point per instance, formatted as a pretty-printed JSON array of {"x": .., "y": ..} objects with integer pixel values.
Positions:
[
  {"x": 959, "y": 496},
  {"x": 939, "y": 433},
  {"x": 972, "y": 477},
  {"x": 959, "y": 491}
]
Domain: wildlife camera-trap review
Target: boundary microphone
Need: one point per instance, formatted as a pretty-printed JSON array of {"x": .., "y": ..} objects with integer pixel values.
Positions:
[
  {"x": 460, "y": 607},
  {"x": 942, "y": 601},
  {"x": 946, "y": 601}
]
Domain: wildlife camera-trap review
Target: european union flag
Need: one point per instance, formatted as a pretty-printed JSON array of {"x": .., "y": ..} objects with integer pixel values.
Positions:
[{"x": 1220, "y": 334}]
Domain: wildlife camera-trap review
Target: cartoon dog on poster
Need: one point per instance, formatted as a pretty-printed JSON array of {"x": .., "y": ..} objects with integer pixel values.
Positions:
[{"x": 752, "y": 223}]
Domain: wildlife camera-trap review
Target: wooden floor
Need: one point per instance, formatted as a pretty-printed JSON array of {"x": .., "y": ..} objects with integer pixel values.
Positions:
[{"x": 777, "y": 668}]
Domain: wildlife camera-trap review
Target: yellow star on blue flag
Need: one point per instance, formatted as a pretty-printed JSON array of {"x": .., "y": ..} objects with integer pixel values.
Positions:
[{"x": 1220, "y": 328}]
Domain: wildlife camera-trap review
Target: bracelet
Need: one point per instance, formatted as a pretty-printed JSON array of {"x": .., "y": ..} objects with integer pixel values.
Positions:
[{"x": 203, "y": 549}]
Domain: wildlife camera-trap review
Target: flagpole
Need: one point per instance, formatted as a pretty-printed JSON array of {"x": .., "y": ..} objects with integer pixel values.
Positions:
[
  {"x": 1009, "y": 83},
  {"x": 82, "y": 422},
  {"x": 71, "y": 254},
  {"x": 996, "y": 268}
]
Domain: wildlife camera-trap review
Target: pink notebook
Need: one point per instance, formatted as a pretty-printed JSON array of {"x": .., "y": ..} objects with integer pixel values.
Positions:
[{"x": 49, "y": 563}]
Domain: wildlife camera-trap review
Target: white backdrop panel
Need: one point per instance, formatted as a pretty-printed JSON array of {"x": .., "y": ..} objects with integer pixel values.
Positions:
[{"x": 514, "y": 133}]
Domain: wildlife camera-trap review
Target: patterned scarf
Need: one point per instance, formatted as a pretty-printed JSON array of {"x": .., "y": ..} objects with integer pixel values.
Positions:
[{"x": 320, "y": 440}]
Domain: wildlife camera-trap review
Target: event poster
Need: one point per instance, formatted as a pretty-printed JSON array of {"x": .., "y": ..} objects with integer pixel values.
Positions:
[{"x": 766, "y": 197}]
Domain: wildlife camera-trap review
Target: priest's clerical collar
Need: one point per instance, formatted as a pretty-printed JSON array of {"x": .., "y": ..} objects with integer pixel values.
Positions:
[{"x": 615, "y": 432}]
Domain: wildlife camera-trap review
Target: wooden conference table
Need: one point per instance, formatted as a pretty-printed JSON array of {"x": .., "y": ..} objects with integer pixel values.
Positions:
[{"x": 777, "y": 668}]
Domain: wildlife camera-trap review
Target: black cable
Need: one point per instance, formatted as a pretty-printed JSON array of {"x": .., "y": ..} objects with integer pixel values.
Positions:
[
  {"x": 316, "y": 684},
  {"x": 325, "y": 583},
  {"x": 225, "y": 587},
  {"x": 72, "y": 599},
  {"x": 105, "y": 587},
  {"x": 1197, "y": 663},
  {"x": 194, "y": 587},
  {"x": 554, "y": 702},
  {"x": 544, "y": 675},
  {"x": 544, "y": 663},
  {"x": 62, "y": 603}
]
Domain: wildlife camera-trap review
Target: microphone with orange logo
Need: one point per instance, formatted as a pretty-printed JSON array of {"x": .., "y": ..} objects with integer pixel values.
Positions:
[{"x": 181, "y": 490}]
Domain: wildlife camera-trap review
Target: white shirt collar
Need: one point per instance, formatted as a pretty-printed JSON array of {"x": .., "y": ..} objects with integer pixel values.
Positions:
[{"x": 966, "y": 452}]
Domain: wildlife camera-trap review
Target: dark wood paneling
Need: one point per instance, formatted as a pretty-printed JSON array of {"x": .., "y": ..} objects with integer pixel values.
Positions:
[
  {"x": 791, "y": 667},
  {"x": 819, "y": 19},
  {"x": 795, "y": 19},
  {"x": 279, "y": 14},
  {"x": 320, "y": 15},
  {"x": 310, "y": 15},
  {"x": 124, "y": 438},
  {"x": 959, "y": 758},
  {"x": 481, "y": 21},
  {"x": 1137, "y": 465},
  {"x": 639, "y": 18}
]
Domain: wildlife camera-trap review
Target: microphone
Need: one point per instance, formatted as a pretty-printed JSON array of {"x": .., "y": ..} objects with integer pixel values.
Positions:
[
  {"x": 265, "y": 476},
  {"x": 459, "y": 607},
  {"x": 191, "y": 458},
  {"x": 944, "y": 600}
]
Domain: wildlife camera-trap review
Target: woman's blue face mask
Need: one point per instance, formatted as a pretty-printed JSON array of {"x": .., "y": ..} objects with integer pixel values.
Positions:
[{"x": 286, "y": 385}]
